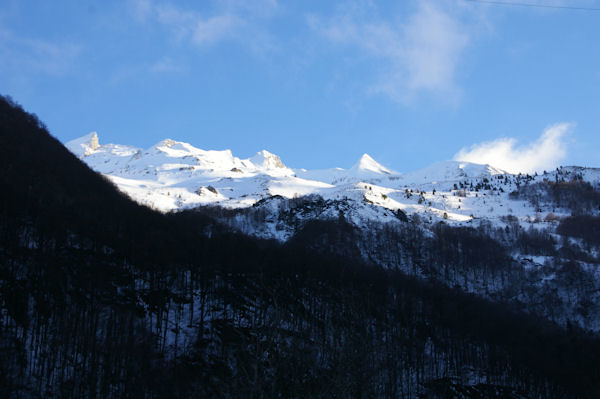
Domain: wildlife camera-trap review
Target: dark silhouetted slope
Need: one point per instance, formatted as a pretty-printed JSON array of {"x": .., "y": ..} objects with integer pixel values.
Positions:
[{"x": 103, "y": 298}]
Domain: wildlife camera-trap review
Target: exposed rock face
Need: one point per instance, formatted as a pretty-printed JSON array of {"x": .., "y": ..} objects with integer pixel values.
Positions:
[
  {"x": 267, "y": 160},
  {"x": 85, "y": 145},
  {"x": 94, "y": 144}
]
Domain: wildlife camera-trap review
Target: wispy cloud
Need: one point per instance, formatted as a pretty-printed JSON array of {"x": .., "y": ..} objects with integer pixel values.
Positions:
[
  {"x": 167, "y": 65},
  {"x": 537, "y": 5},
  {"x": 239, "y": 21},
  {"x": 20, "y": 54},
  {"x": 418, "y": 54},
  {"x": 161, "y": 67},
  {"x": 200, "y": 30},
  {"x": 544, "y": 153}
]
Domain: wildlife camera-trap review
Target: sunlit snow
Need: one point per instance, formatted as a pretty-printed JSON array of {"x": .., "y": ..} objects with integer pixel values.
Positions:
[{"x": 173, "y": 175}]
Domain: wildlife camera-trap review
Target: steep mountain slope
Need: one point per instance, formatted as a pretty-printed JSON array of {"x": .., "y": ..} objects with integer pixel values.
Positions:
[
  {"x": 542, "y": 257},
  {"x": 103, "y": 298}
]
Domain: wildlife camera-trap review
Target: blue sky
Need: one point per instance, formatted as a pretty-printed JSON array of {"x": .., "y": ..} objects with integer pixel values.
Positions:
[{"x": 317, "y": 83}]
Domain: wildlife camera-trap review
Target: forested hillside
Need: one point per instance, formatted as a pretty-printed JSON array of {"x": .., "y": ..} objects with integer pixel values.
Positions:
[{"x": 101, "y": 297}]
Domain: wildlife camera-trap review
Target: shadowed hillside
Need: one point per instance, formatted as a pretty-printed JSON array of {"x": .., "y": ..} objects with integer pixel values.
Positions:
[{"x": 101, "y": 297}]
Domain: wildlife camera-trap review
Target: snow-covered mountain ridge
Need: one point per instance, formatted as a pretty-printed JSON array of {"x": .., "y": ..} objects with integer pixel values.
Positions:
[
  {"x": 173, "y": 175},
  {"x": 526, "y": 243}
]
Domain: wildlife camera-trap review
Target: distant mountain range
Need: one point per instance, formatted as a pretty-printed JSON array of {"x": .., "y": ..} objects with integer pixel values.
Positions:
[{"x": 173, "y": 175}]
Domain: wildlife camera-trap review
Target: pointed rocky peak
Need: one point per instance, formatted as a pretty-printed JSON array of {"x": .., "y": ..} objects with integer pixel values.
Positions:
[
  {"x": 84, "y": 145},
  {"x": 94, "y": 144},
  {"x": 366, "y": 163},
  {"x": 266, "y": 160}
]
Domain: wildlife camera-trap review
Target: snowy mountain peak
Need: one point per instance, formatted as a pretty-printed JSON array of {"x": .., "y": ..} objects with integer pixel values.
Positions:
[
  {"x": 167, "y": 143},
  {"x": 451, "y": 171},
  {"x": 367, "y": 164},
  {"x": 174, "y": 175},
  {"x": 266, "y": 160},
  {"x": 84, "y": 145},
  {"x": 175, "y": 148}
]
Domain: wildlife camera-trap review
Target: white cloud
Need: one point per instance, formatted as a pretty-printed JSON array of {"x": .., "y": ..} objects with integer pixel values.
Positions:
[
  {"x": 192, "y": 26},
  {"x": 239, "y": 21},
  {"x": 544, "y": 153},
  {"x": 214, "y": 28},
  {"x": 420, "y": 54},
  {"x": 434, "y": 44}
]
